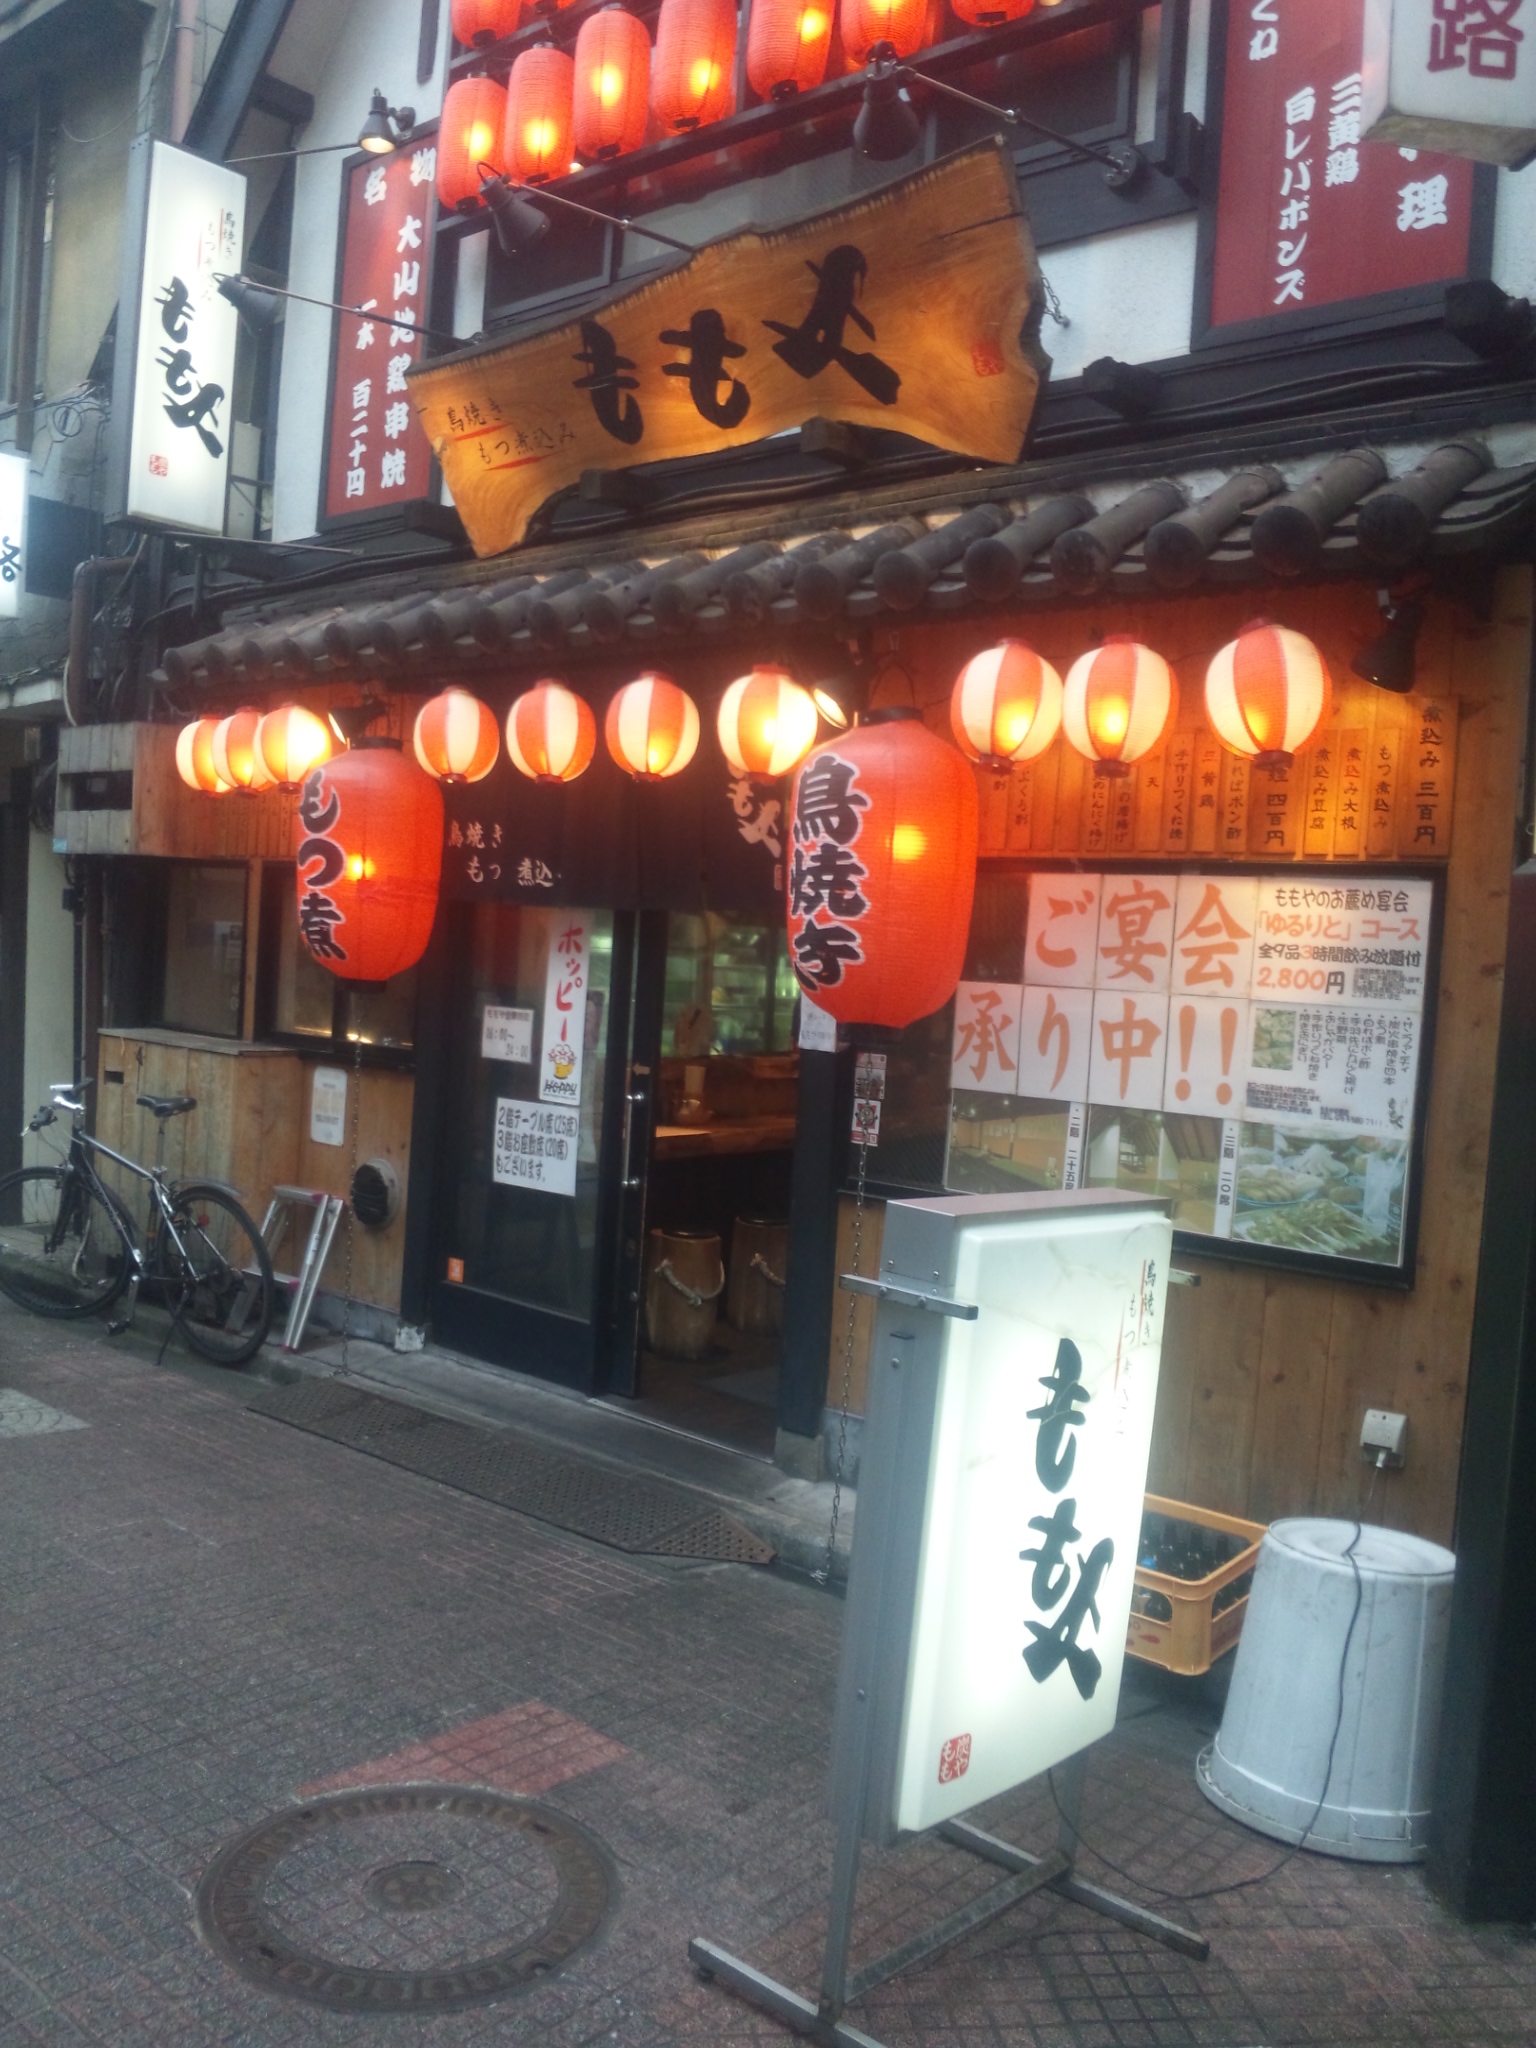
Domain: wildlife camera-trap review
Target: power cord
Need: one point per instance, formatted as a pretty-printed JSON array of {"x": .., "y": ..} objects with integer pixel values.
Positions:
[{"x": 1243, "y": 1884}]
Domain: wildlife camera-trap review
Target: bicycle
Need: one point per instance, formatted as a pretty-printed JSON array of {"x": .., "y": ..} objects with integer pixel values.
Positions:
[{"x": 69, "y": 1245}]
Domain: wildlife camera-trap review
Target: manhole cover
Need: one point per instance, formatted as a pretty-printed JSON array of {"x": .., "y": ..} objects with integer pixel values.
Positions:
[{"x": 407, "y": 1898}]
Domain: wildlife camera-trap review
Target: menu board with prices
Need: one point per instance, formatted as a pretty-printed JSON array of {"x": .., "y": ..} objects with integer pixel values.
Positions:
[
  {"x": 1246, "y": 1046},
  {"x": 1375, "y": 784}
]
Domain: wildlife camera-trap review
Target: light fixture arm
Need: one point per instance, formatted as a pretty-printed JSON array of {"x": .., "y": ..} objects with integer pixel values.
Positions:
[
  {"x": 277, "y": 291},
  {"x": 1123, "y": 162},
  {"x": 539, "y": 195}
]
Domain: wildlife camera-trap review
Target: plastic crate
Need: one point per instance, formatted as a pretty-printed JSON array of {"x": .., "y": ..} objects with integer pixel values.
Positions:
[{"x": 1194, "y": 1636}]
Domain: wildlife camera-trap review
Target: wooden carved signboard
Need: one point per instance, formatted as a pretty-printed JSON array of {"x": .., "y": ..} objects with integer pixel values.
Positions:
[{"x": 904, "y": 310}]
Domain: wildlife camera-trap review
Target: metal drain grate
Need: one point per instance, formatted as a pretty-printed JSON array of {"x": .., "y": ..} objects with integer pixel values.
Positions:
[{"x": 640, "y": 1515}]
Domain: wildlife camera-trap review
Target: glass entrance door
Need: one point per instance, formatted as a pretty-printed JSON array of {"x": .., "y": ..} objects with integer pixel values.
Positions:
[{"x": 526, "y": 1192}]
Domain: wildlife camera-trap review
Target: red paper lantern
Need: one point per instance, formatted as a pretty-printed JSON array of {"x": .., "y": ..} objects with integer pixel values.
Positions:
[
  {"x": 291, "y": 741},
  {"x": 1117, "y": 702},
  {"x": 693, "y": 70},
  {"x": 1266, "y": 693},
  {"x": 537, "y": 143},
  {"x": 883, "y": 868},
  {"x": 469, "y": 140},
  {"x": 477, "y": 23},
  {"x": 867, "y": 22},
  {"x": 236, "y": 760},
  {"x": 368, "y": 838},
  {"x": 787, "y": 45},
  {"x": 455, "y": 737},
  {"x": 991, "y": 13},
  {"x": 613, "y": 74},
  {"x": 652, "y": 728},
  {"x": 766, "y": 723},
  {"x": 194, "y": 758},
  {"x": 551, "y": 733},
  {"x": 1006, "y": 705}
]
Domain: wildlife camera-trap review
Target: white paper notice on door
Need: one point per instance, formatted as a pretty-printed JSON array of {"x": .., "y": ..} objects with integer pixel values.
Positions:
[
  {"x": 328, "y": 1106},
  {"x": 535, "y": 1147},
  {"x": 506, "y": 1034},
  {"x": 565, "y": 1010}
]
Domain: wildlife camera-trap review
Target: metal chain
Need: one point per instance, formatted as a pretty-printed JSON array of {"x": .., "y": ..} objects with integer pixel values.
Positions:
[
  {"x": 824, "y": 1576},
  {"x": 1052, "y": 303},
  {"x": 346, "y": 1297}
]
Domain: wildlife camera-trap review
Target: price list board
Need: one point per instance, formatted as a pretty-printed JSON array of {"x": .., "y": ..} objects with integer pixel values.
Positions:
[{"x": 1249, "y": 1047}]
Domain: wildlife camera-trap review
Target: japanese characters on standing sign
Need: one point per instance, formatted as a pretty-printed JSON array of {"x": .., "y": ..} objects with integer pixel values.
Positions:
[
  {"x": 378, "y": 454},
  {"x": 181, "y": 356},
  {"x": 15, "y": 471},
  {"x": 1308, "y": 213}
]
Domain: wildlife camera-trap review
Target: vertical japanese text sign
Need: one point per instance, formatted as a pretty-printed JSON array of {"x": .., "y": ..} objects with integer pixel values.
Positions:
[
  {"x": 1457, "y": 75},
  {"x": 376, "y": 452},
  {"x": 1000, "y": 1495},
  {"x": 174, "y": 383},
  {"x": 14, "y": 472},
  {"x": 1308, "y": 214},
  {"x": 565, "y": 1009}
]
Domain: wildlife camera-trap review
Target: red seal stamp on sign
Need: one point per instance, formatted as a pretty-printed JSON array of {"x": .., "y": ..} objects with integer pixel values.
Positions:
[
  {"x": 987, "y": 358},
  {"x": 954, "y": 1759}
]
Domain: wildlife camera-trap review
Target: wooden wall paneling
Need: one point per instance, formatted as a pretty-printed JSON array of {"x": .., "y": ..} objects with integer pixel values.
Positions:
[
  {"x": 251, "y": 950},
  {"x": 863, "y": 1308},
  {"x": 383, "y": 1131},
  {"x": 1205, "y": 816},
  {"x": 1045, "y": 801},
  {"x": 1362, "y": 1370},
  {"x": 1151, "y": 780},
  {"x": 1203, "y": 1431},
  {"x": 1178, "y": 792},
  {"x": 1383, "y": 782},
  {"x": 1022, "y": 785},
  {"x": 1288, "y": 1405}
]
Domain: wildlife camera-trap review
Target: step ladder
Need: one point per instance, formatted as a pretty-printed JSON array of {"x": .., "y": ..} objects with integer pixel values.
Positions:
[{"x": 280, "y": 1217}]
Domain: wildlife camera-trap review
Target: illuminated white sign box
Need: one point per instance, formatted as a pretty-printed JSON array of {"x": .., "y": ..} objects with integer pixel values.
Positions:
[
  {"x": 1000, "y": 1496},
  {"x": 1460, "y": 78}
]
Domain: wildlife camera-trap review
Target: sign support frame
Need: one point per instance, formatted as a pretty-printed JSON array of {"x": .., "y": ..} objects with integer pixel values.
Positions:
[{"x": 907, "y": 1338}]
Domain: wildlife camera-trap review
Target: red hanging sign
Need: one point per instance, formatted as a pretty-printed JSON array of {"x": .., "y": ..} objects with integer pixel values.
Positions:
[
  {"x": 378, "y": 455},
  {"x": 1308, "y": 215}
]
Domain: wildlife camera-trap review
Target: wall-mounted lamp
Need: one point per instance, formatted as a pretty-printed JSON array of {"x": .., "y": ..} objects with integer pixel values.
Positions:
[
  {"x": 259, "y": 305},
  {"x": 386, "y": 128},
  {"x": 521, "y": 224},
  {"x": 886, "y": 126},
  {"x": 1389, "y": 660}
]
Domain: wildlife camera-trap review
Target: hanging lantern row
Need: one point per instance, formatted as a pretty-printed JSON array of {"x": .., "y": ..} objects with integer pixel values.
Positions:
[
  {"x": 561, "y": 109},
  {"x": 252, "y": 751},
  {"x": 1266, "y": 693}
]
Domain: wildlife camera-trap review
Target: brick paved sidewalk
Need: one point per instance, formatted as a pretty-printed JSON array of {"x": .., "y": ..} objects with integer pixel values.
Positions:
[{"x": 207, "y": 1615}]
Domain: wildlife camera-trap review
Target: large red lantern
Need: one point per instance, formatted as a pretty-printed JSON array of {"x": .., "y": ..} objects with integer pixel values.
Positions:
[
  {"x": 991, "y": 13},
  {"x": 477, "y": 23},
  {"x": 236, "y": 758},
  {"x": 692, "y": 72},
  {"x": 866, "y": 22},
  {"x": 882, "y": 871},
  {"x": 194, "y": 758},
  {"x": 537, "y": 143},
  {"x": 291, "y": 741},
  {"x": 455, "y": 737},
  {"x": 652, "y": 728},
  {"x": 612, "y": 92},
  {"x": 787, "y": 45},
  {"x": 766, "y": 723},
  {"x": 1117, "y": 702},
  {"x": 469, "y": 140},
  {"x": 1266, "y": 693},
  {"x": 369, "y": 844},
  {"x": 1006, "y": 705},
  {"x": 551, "y": 733}
]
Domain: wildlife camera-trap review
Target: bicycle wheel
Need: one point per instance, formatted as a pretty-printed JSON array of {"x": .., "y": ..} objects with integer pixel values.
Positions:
[
  {"x": 217, "y": 1276},
  {"x": 63, "y": 1251}
]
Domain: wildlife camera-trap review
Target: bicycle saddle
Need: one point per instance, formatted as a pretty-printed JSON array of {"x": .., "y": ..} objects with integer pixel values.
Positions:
[{"x": 168, "y": 1105}]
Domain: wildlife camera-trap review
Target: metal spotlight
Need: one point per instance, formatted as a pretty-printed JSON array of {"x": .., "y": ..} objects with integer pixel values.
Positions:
[
  {"x": 519, "y": 224},
  {"x": 386, "y": 127},
  {"x": 886, "y": 126},
  {"x": 256, "y": 305},
  {"x": 1388, "y": 660}
]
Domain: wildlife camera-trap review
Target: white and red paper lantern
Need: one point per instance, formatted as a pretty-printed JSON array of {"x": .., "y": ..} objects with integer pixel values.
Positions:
[
  {"x": 236, "y": 758},
  {"x": 766, "y": 723},
  {"x": 455, "y": 737},
  {"x": 1006, "y": 705},
  {"x": 1266, "y": 693},
  {"x": 291, "y": 740},
  {"x": 652, "y": 728},
  {"x": 551, "y": 733},
  {"x": 1117, "y": 702}
]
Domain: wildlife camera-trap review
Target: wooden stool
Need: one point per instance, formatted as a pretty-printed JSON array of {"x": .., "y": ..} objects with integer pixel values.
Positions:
[
  {"x": 754, "y": 1301},
  {"x": 684, "y": 1282}
]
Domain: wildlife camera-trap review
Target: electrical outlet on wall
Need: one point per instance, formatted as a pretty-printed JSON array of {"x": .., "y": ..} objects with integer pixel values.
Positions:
[{"x": 1384, "y": 1436}]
